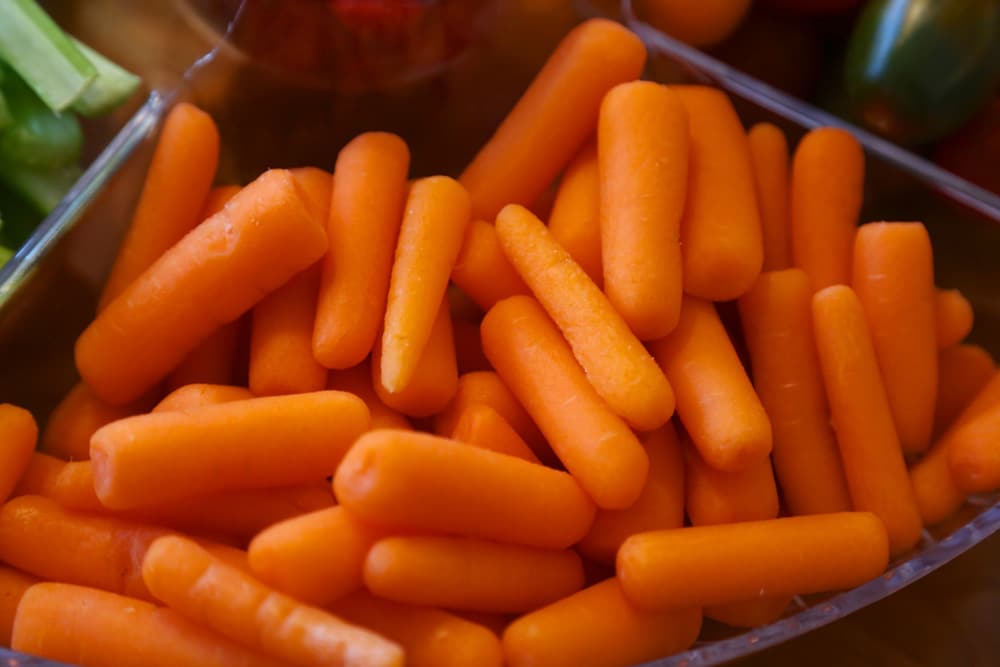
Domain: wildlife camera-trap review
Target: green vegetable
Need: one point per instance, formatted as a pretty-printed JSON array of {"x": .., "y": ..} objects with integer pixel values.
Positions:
[
  {"x": 5, "y": 117},
  {"x": 36, "y": 48},
  {"x": 42, "y": 188},
  {"x": 19, "y": 218},
  {"x": 112, "y": 86},
  {"x": 37, "y": 136},
  {"x": 5, "y": 254}
]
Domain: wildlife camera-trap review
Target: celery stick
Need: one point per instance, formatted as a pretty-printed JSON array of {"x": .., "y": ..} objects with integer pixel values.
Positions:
[
  {"x": 42, "y": 188},
  {"x": 112, "y": 86},
  {"x": 5, "y": 254},
  {"x": 35, "y": 47},
  {"x": 37, "y": 136}
]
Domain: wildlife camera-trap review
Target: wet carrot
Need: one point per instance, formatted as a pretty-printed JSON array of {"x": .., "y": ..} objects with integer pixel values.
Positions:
[
  {"x": 197, "y": 396},
  {"x": 713, "y": 497},
  {"x": 213, "y": 361},
  {"x": 575, "y": 221},
  {"x": 13, "y": 584},
  {"x": 18, "y": 436},
  {"x": 482, "y": 426},
  {"x": 482, "y": 270},
  {"x": 750, "y": 614},
  {"x": 963, "y": 371},
  {"x": 80, "y": 413},
  {"x": 358, "y": 381},
  {"x": 643, "y": 154},
  {"x": 953, "y": 315},
  {"x": 769, "y": 155},
  {"x": 558, "y": 111},
  {"x": 616, "y": 364}
]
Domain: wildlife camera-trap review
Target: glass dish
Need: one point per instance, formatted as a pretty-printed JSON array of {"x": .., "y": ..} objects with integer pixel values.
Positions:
[{"x": 48, "y": 292}]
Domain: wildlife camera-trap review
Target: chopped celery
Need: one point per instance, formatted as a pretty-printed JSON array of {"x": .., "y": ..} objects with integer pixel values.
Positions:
[
  {"x": 42, "y": 188},
  {"x": 5, "y": 254},
  {"x": 19, "y": 218},
  {"x": 37, "y": 136},
  {"x": 112, "y": 86},
  {"x": 35, "y": 47}
]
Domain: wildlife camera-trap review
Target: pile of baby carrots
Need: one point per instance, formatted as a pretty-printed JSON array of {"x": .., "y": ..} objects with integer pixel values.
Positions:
[{"x": 556, "y": 428}]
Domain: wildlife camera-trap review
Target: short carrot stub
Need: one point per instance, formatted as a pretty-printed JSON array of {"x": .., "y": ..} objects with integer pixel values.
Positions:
[
  {"x": 358, "y": 381},
  {"x": 13, "y": 584},
  {"x": 575, "y": 220},
  {"x": 974, "y": 452},
  {"x": 18, "y": 436},
  {"x": 769, "y": 155},
  {"x": 198, "y": 396},
  {"x": 482, "y": 270},
  {"x": 482, "y": 426},
  {"x": 963, "y": 371},
  {"x": 76, "y": 417},
  {"x": 954, "y": 317},
  {"x": 715, "y": 497}
]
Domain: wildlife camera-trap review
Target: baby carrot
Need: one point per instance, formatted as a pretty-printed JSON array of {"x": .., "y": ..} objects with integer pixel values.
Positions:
[
  {"x": 776, "y": 315},
  {"x": 178, "y": 180},
  {"x": 827, "y": 187},
  {"x": 769, "y": 155},
  {"x": 358, "y": 381},
  {"x": 715, "y": 400},
  {"x": 437, "y": 213},
  {"x": 482, "y": 426},
  {"x": 69, "y": 483},
  {"x": 204, "y": 589},
  {"x": 616, "y": 364},
  {"x": 869, "y": 447},
  {"x": 369, "y": 188},
  {"x": 558, "y": 111},
  {"x": 316, "y": 187},
  {"x": 18, "y": 436},
  {"x": 575, "y": 220},
  {"x": 596, "y": 447},
  {"x": 99, "y": 629},
  {"x": 953, "y": 317},
  {"x": 894, "y": 280},
  {"x": 714, "y": 497},
  {"x": 216, "y": 200},
  {"x": 750, "y": 614},
  {"x": 221, "y": 269},
  {"x": 416, "y": 481},
  {"x": 434, "y": 380},
  {"x": 152, "y": 459},
  {"x": 721, "y": 240},
  {"x": 482, "y": 270},
  {"x": 597, "y": 627},
  {"x": 643, "y": 155},
  {"x": 197, "y": 396},
  {"x": 80, "y": 413},
  {"x": 13, "y": 584},
  {"x": 213, "y": 361},
  {"x": 430, "y": 637},
  {"x": 486, "y": 388},
  {"x": 660, "y": 505},
  {"x": 963, "y": 370},
  {"x": 712, "y": 565},
  {"x": 974, "y": 452},
  {"x": 316, "y": 557}
]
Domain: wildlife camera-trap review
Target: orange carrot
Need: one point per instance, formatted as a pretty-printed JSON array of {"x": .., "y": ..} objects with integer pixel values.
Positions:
[
  {"x": 712, "y": 565},
  {"x": 316, "y": 557},
  {"x": 597, "y": 448},
  {"x": 558, "y": 111},
  {"x": 714, "y": 497},
  {"x": 597, "y": 627},
  {"x": 213, "y": 361},
  {"x": 369, "y": 188},
  {"x": 869, "y": 447},
  {"x": 99, "y": 629},
  {"x": 437, "y": 212},
  {"x": 316, "y": 187},
  {"x": 963, "y": 371},
  {"x": 78, "y": 415},
  {"x": 210, "y": 592},
  {"x": 18, "y": 436},
  {"x": 430, "y": 637},
  {"x": 715, "y": 400},
  {"x": 216, "y": 273},
  {"x": 197, "y": 396},
  {"x": 643, "y": 154},
  {"x": 69, "y": 483},
  {"x": 827, "y": 187},
  {"x": 435, "y": 378},
  {"x": 13, "y": 584},
  {"x": 769, "y": 154},
  {"x": 974, "y": 451},
  {"x": 496, "y": 623},
  {"x": 216, "y": 200},
  {"x": 894, "y": 280},
  {"x": 751, "y": 614},
  {"x": 151, "y": 459},
  {"x": 176, "y": 186},
  {"x": 616, "y": 364},
  {"x": 721, "y": 240},
  {"x": 482, "y": 270},
  {"x": 575, "y": 221},
  {"x": 777, "y": 324},
  {"x": 953, "y": 317},
  {"x": 462, "y": 490},
  {"x": 660, "y": 505},
  {"x": 482, "y": 426},
  {"x": 358, "y": 381}
]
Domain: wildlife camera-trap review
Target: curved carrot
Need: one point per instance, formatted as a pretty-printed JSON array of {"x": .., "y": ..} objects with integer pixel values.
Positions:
[
  {"x": 776, "y": 315},
  {"x": 369, "y": 188},
  {"x": 151, "y": 459},
  {"x": 437, "y": 213},
  {"x": 597, "y": 447},
  {"x": 358, "y": 381},
  {"x": 462, "y": 573},
  {"x": 99, "y": 629},
  {"x": 18, "y": 436},
  {"x": 575, "y": 220},
  {"x": 643, "y": 154},
  {"x": 710, "y": 382},
  {"x": 482, "y": 426},
  {"x": 558, "y": 111},
  {"x": 80, "y": 413},
  {"x": 721, "y": 240},
  {"x": 974, "y": 452},
  {"x": 660, "y": 505},
  {"x": 220, "y": 270},
  {"x": 712, "y": 565},
  {"x": 208, "y": 591},
  {"x": 953, "y": 316},
  {"x": 769, "y": 155},
  {"x": 213, "y": 361},
  {"x": 963, "y": 371},
  {"x": 177, "y": 183},
  {"x": 482, "y": 270},
  {"x": 197, "y": 396},
  {"x": 713, "y": 497},
  {"x": 751, "y": 614},
  {"x": 617, "y": 365},
  {"x": 869, "y": 447},
  {"x": 597, "y": 627},
  {"x": 430, "y": 637},
  {"x": 894, "y": 280},
  {"x": 316, "y": 557},
  {"x": 462, "y": 490},
  {"x": 434, "y": 380},
  {"x": 828, "y": 176}
]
